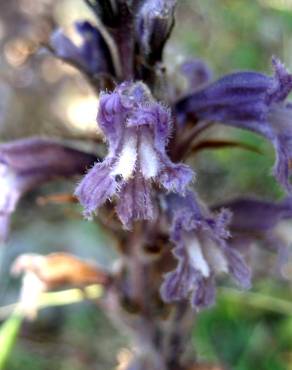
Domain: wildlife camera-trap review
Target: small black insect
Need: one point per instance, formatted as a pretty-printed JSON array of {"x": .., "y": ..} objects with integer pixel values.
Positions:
[{"x": 118, "y": 178}]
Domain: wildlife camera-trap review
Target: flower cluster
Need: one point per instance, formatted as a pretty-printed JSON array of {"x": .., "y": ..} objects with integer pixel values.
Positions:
[{"x": 148, "y": 128}]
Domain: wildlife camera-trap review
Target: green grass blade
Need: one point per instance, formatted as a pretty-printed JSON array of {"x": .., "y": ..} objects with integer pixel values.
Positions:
[{"x": 8, "y": 334}]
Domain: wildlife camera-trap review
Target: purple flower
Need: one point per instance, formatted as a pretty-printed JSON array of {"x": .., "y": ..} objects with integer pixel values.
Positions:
[
  {"x": 196, "y": 72},
  {"x": 137, "y": 129},
  {"x": 92, "y": 56},
  {"x": 254, "y": 216},
  {"x": 202, "y": 253},
  {"x": 26, "y": 163},
  {"x": 154, "y": 24},
  {"x": 252, "y": 101},
  {"x": 257, "y": 220}
]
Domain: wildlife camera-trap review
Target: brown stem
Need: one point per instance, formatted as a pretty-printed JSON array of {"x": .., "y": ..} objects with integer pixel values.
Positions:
[
  {"x": 222, "y": 144},
  {"x": 125, "y": 45},
  {"x": 160, "y": 332},
  {"x": 136, "y": 266},
  {"x": 182, "y": 148}
]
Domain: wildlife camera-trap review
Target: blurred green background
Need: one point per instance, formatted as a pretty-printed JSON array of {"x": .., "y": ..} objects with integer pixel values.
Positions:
[{"x": 41, "y": 95}]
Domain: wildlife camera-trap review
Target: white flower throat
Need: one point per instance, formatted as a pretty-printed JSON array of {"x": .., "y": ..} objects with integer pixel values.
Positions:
[
  {"x": 130, "y": 152},
  {"x": 206, "y": 257}
]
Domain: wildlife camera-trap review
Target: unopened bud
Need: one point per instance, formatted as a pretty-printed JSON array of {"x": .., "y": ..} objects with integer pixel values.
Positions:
[{"x": 154, "y": 24}]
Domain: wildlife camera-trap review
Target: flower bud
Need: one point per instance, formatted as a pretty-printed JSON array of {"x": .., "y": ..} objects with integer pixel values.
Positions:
[{"x": 154, "y": 24}]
